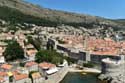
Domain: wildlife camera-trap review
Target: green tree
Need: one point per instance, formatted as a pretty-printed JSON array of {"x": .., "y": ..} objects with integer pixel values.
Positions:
[
  {"x": 13, "y": 51},
  {"x": 35, "y": 42},
  {"x": 49, "y": 56}
]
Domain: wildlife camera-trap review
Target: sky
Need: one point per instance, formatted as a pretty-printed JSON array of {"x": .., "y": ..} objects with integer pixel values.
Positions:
[{"x": 113, "y": 9}]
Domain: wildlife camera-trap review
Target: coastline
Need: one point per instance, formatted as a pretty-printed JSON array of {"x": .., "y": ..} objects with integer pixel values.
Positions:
[
  {"x": 86, "y": 70},
  {"x": 59, "y": 76}
]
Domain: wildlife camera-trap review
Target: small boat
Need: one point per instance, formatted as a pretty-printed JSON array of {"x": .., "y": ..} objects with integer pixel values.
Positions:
[{"x": 84, "y": 73}]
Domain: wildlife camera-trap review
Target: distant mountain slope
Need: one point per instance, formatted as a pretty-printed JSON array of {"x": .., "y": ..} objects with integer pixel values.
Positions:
[
  {"x": 21, "y": 11},
  {"x": 121, "y": 21}
]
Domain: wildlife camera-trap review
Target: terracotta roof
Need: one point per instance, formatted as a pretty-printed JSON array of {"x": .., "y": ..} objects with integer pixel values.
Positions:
[
  {"x": 31, "y": 52},
  {"x": 73, "y": 39},
  {"x": 96, "y": 46},
  {"x": 16, "y": 72},
  {"x": 6, "y": 66},
  {"x": 46, "y": 65},
  {"x": 29, "y": 64},
  {"x": 103, "y": 47},
  {"x": 36, "y": 75},
  {"x": 20, "y": 76},
  {"x": 2, "y": 74},
  {"x": 2, "y": 80}
]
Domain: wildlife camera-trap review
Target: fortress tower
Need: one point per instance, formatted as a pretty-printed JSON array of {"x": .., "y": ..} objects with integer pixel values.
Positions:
[{"x": 114, "y": 69}]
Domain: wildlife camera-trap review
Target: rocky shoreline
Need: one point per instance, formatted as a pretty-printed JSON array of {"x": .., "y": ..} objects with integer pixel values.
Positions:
[
  {"x": 59, "y": 76},
  {"x": 113, "y": 70},
  {"x": 116, "y": 79}
]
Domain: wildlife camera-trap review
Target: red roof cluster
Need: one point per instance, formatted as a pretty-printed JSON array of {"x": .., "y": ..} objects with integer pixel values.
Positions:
[
  {"x": 46, "y": 65},
  {"x": 96, "y": 46},
  {"x": 31, "y": 63},
  {"x": 73, "y": 39},
  {"x": 103, "y": 46},
  {"x": 2, "y": 74},
  {"x": 6, "y": 66},
  {"x": 2, "y": 80},
  {"x": 20, "y": 76}
]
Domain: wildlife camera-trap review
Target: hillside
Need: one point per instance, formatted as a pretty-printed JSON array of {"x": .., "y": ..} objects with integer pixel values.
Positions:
[
  {"x": 18, "y": 11},
  {"x": 121, "y": 21}
]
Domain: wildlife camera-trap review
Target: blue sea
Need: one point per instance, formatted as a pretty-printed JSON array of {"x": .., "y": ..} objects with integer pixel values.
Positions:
[{"x": 80, "y": 78}]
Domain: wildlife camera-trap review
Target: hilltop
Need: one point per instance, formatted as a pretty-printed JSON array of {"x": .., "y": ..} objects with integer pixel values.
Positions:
[{"x": 19, "y": 11}]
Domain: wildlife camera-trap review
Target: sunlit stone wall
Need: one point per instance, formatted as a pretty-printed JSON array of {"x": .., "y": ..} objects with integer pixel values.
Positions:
[{"x": 113, "y": 67}]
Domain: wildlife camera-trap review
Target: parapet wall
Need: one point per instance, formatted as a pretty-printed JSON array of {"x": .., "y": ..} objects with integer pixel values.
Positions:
[
  {"x": 112, "y": 68},
  {"x": 57, "y": 77}
]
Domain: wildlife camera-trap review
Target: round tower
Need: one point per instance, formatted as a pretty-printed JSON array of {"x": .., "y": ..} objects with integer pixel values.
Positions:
[{"x": 112, "y": 67}]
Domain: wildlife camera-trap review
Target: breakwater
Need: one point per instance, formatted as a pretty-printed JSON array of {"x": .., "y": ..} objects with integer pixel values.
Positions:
[
  {"x": 113, "y": 70},
  {"x": 57, "y": 77},
  {"x": 60, "y": 75},
  {"x": 77, "y": 77}
]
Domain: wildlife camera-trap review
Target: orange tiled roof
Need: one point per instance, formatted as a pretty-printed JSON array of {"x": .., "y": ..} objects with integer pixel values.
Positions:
[
  {"x": 31, "y": 52},
  {"x": 2, "y": 80},
  {"x": 20, "y": 76},
  {"x": 97, "y": 46},
  {"x": 73, "y": 39},
  {"x": 6, "y": 66},
  {"x": 29, "y": 64},
  {"x": 103, "y": 46},
  {"x": 2, "y": 74},
  {"x": 16, "y": 72},
  {"x": 46, "y": 65}
]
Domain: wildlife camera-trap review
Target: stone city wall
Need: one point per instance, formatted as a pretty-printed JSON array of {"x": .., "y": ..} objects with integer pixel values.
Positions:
[{"x": 57, "y": 77}]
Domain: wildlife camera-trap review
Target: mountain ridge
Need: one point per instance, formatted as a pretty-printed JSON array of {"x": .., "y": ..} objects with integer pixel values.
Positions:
[{"x": 57, "y": 16}]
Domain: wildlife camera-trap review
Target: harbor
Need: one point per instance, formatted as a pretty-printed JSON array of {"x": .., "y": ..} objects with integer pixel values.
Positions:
[{"x": 73, "y": 77}]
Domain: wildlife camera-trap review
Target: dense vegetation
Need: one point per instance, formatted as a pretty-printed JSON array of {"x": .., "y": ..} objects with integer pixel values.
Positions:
[
  {"x": 13, "y": 51},
  {"x": 53, "y": 57},
  {"x": 49, "y": 56},
  {"x": 14, "y": 16},
  {"x": 121, "y": 21},
  {"x": 35, "y": 42}
]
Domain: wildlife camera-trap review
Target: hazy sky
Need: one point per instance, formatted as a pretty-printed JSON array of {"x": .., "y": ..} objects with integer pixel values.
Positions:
[{"x": 105, "y": 8}]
